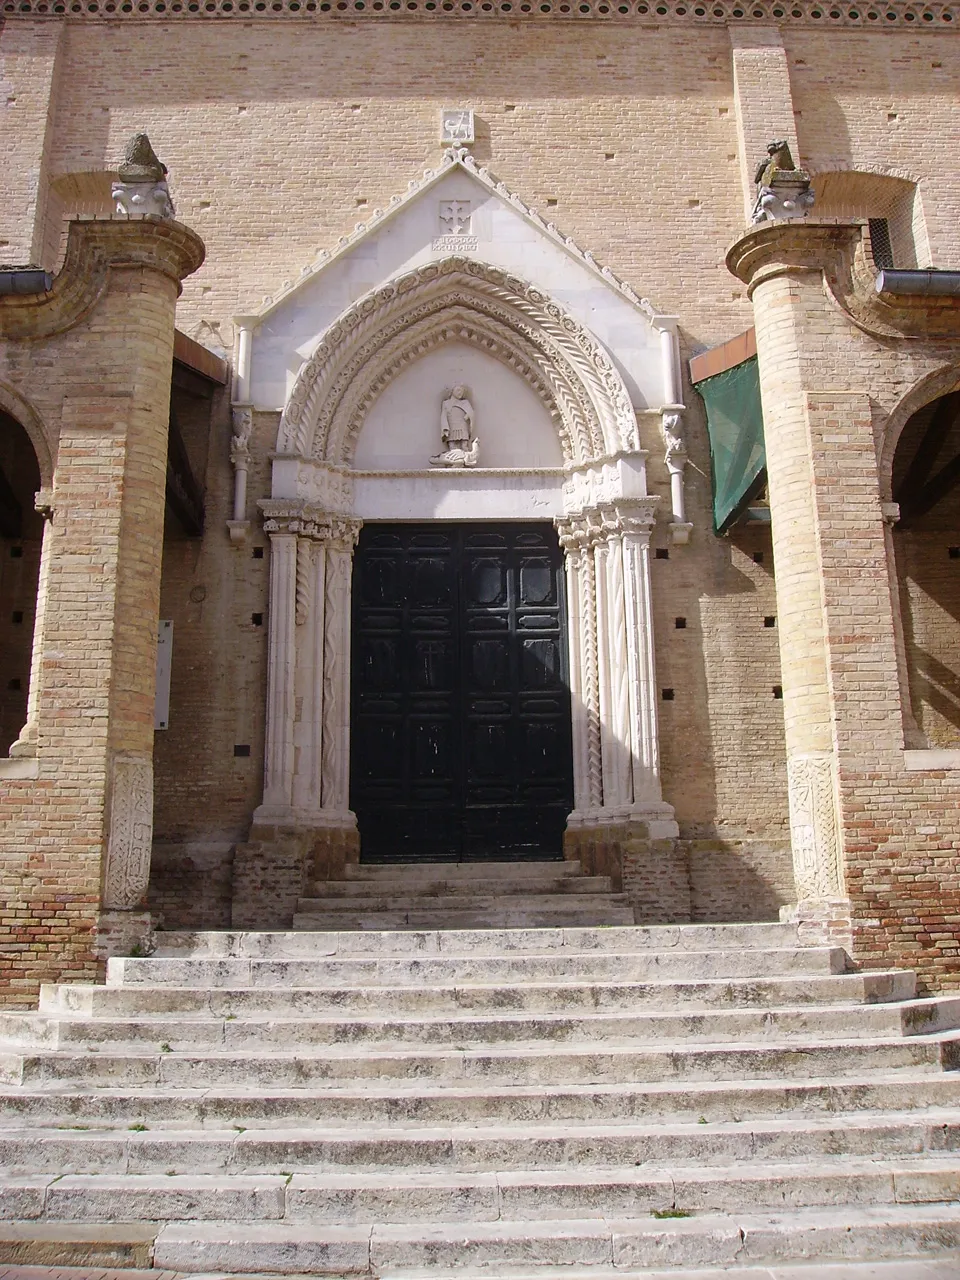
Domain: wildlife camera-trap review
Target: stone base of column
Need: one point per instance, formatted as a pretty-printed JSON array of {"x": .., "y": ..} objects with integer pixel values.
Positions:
[
  {"x": 124, "y": 933},
  {"x": 823, "y": 922},
  {"x": 651, "y": 868},
  {"x": 287, "y": 854}
]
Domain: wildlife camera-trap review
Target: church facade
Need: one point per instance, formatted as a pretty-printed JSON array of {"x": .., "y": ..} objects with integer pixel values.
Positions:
[{"x": 379, "y": 483}]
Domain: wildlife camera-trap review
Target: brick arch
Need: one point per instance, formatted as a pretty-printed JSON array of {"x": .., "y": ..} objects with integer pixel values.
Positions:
[
  {"x": 17, "y": 407},
  {"x": 931, "y": 387}
]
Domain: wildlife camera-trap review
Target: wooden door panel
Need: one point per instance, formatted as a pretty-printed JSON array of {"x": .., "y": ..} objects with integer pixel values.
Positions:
[{"x": 460, "y": 702}]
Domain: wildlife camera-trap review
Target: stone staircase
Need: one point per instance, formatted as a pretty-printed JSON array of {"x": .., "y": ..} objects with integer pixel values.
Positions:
[
  {"x": 478, "y": 895},
  {"x": 584, "y": 1102}
]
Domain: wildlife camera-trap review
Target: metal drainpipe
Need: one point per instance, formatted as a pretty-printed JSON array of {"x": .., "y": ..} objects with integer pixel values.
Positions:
[
  {"x": 923, "y": 282},
  {"x": 28, "y": 280}
]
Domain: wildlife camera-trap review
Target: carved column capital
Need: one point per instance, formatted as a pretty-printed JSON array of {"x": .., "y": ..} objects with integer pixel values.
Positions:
[
  {"x": 305, "y": 520},
  {"x": 606, "y": 521}
]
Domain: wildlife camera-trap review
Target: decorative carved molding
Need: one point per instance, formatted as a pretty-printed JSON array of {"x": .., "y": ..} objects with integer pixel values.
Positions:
[
  {"x": 240, "y": 458},
  {"x": 336, "y": 696},
  {"x": 242, "y": 431},
  {"x": 305, "y": 573},
  {"x": 606, "y": 548},
  {"x": 379, "y": 363},
  {"x": 281, "y": 515},
  {"x": 94, "y": 247},
  {"x": 893, "y": 15},
  {"x": 324, "y": 410},
  {"x": 676, "y": 461},
  {"x": 588, "y": 528},
  {"x": 130, "y": 840},
  {"x": 814, "y": 829}
]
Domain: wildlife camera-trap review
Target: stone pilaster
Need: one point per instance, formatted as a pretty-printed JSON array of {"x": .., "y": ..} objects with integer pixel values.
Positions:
[
  {"x": 306, "y": 764},
  {"x": 304, "y": 831},
  {"x": 616, "y": 750},
  {"x": 281, "y": 666}
]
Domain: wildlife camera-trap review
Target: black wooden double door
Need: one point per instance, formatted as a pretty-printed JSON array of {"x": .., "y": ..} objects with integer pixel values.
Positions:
[{"x": 460, "y": 715}]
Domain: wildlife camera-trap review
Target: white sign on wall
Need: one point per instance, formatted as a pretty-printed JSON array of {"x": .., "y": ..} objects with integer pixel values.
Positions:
[{"x": 161, "y": 712}]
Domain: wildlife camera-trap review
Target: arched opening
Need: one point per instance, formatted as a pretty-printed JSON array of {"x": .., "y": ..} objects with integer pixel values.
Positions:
[
  {"x": 21, "y": 540},
  {"x": 891, "y": 204},
  {"x": 925, "y": 483}
]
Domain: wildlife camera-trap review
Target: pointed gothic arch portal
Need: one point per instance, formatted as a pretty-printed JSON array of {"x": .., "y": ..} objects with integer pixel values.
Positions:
[{"x": 597, "y": 498}]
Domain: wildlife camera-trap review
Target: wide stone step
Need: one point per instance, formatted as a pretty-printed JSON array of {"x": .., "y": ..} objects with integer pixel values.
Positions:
[
  {"x": 466, "y": 871},
  {"x": 899, "y": 1231},
  {"x": 723, "y": 1101},
  {"x": 497, "y": 899},
  {"x": 346, "y": 1199},
  {"x": 439, "y": 885},
  {"x": 424, "y": 970},
  {"x": 242, "y": 1002},
  {"x": 506, "y": 1064},
  {"x": 773, "y": 1025},
  {"x": 488, "y": 1148},
  {"x": 483, "y": 942},
  {"x": 506, "y": 915}
]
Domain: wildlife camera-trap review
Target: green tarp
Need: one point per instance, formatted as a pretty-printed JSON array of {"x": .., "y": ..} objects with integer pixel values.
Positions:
[{"x": 735, "y": 426}]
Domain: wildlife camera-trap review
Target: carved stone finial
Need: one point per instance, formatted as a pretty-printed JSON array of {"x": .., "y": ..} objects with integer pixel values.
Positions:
[
  {"x": 142, "y": 187},
  {"x": 783, "y": 190},
  {"x": 140, "y": 162}
]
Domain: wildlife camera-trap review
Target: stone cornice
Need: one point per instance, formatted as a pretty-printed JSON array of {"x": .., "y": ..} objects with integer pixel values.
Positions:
[
  {"x": 914, "y": 17},
  {"x": 841, "y": 254},
  {"x": 95, "y": 247}
]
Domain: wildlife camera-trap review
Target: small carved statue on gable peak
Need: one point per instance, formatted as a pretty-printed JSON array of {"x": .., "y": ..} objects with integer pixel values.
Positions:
[
  {"x": 783, "y": 190},
  {"x": 457, "y": 418}
]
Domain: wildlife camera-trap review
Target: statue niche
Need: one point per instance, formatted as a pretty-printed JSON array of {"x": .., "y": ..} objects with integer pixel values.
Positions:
[{"x": 457, "y": 418}]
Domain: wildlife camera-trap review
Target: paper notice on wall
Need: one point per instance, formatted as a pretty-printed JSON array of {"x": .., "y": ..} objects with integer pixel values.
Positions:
[{"x": 161, "y": 712}]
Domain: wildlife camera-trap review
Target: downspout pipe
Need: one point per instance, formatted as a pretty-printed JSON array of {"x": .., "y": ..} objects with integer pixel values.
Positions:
[
  {"x": 26, "y": 281},
  {"x": 941, "y": 283}
]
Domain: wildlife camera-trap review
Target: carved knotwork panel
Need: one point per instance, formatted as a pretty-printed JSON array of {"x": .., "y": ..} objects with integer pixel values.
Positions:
[
  {"x": 814, "y": 829},
  {"x": 131, "y": 833}
]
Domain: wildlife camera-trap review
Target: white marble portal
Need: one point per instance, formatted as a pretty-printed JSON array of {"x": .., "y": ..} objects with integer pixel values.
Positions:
[{"x": 459, "y": 285}]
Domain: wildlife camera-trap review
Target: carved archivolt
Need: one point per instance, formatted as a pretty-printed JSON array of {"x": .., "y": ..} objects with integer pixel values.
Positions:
[{"x": 559, "y": 358}]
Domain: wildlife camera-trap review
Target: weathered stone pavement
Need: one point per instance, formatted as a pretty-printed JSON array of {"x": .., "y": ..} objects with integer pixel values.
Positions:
[{"x": 518, "y": 1104}]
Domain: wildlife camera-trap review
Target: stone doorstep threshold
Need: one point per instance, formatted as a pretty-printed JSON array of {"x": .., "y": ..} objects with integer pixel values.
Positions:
[{"x": 946, "y": 1268}]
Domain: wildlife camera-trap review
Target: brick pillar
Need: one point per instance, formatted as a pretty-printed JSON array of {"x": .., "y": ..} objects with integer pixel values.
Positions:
[
  {"x": 810, "y": 485},
  {"x": 75, "y": 841},
  {"x": 764, "y": 103}
]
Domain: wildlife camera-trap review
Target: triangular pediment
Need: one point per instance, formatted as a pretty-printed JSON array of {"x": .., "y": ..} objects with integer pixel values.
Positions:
[{"x": 460, "y": 210}]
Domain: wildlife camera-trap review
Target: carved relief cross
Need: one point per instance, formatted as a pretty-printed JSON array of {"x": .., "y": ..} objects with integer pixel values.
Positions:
[{"x": 455, "y": 217}]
